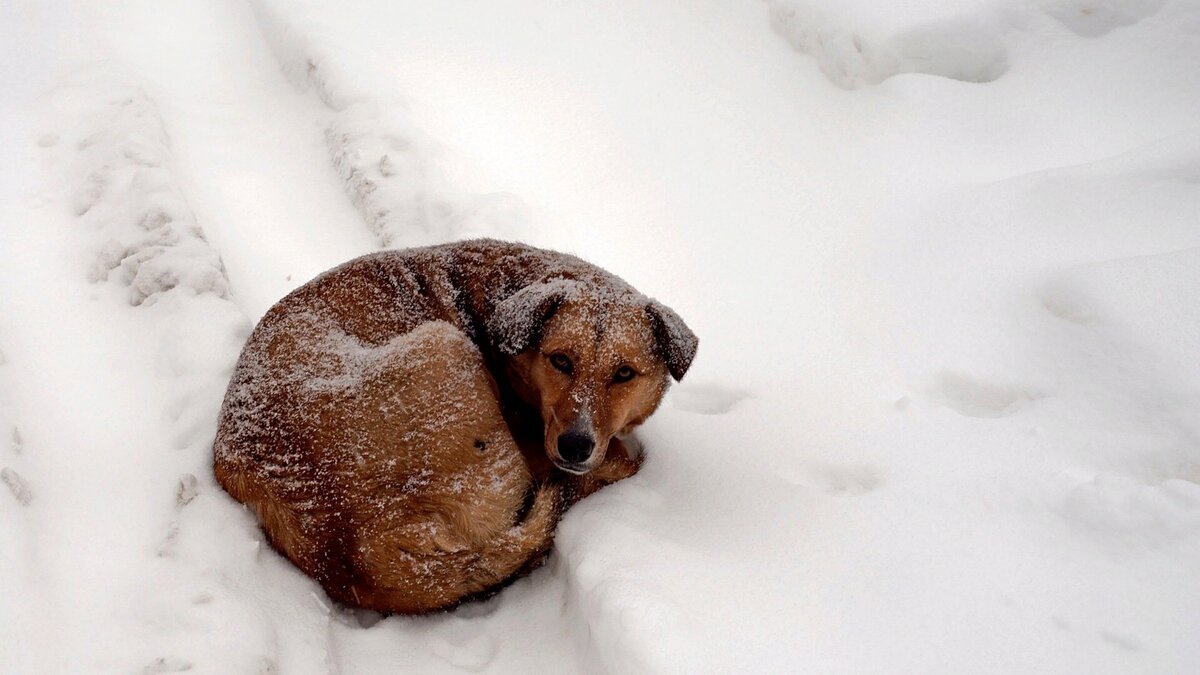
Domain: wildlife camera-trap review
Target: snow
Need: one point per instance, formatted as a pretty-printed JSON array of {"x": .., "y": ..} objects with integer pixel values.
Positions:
[{"x": 942, "y": 259}]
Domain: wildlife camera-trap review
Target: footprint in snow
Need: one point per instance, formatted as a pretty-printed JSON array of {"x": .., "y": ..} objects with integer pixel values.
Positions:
[
  {"x": 839, "y": 480},
  {"x": 16, "y": 485},
  {"x": 706, "y": 399},
  {"x": 1093, "y": 18},
  {"x": 1123, "y": 642},
  {"x": 976, "y": 398},
  {"x": 166, "y": 665},
  {"x": 1069, "y": 302},
  {"x": 465, "y": 646},
  {"x": 186, "y": 491}
]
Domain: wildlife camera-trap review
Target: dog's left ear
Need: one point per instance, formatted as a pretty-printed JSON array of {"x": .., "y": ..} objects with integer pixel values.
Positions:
[
  {"x": 517, "y": 321},
  {"x": 676, "y": 342}
]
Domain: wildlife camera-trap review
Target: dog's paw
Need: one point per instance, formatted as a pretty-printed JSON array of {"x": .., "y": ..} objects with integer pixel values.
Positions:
[{"x": 631, "y": 447}]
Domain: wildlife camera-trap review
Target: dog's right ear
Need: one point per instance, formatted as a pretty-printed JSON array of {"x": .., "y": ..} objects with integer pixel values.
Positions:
[
  {"x": 676, "y": 342},
  {"x": 518, "y": 320}
]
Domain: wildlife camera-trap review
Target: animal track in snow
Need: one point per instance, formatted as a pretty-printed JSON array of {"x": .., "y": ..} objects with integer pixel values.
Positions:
[
  {"x": 166, "y": 665},
  {"x": 468, "y": 647},
  {"x": 186, "y": 491},
  {"x": 1069, "y": 303},
  {"x": 841, "y": 480},
  {"x": 16, "y": 485},
  {"x": 1093, "y": 18},
  {"x": 975, "y": 398},
  {"x": 1120, "y": 641},
  {"x": 706, "y": 399}
]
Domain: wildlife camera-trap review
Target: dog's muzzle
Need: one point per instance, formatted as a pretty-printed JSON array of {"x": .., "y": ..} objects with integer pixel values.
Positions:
[{"x": 575, "y": 448}]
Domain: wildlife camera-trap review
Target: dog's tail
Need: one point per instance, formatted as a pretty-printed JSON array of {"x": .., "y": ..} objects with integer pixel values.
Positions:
[{"x": 414, "y": 579}]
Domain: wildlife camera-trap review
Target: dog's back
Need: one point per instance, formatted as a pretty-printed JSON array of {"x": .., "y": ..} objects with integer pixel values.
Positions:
[{"x": 366, "y": 433}]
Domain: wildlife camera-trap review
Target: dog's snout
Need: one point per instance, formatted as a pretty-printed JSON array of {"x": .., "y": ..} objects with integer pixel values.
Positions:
[{"x": 575, "y": 446}]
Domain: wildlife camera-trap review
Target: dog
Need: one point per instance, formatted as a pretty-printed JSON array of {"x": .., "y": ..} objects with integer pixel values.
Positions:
[{"x": 410, "y": 426}]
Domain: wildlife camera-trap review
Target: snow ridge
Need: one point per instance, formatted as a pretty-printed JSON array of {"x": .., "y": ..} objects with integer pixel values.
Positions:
[
  {"x": 18, "y": 553},
  {"x": 854, "y": 50},
  {"x": 115, "y": 151},
  {"x": 858, "y": 43},
  {"x": 127, "y": 193}
]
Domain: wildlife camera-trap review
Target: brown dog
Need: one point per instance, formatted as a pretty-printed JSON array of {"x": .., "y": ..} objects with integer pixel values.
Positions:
[{"x": 409, "y": 426}]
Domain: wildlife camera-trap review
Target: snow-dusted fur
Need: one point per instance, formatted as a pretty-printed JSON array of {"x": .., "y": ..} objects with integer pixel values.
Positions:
[{"x": 365, "y": 429}]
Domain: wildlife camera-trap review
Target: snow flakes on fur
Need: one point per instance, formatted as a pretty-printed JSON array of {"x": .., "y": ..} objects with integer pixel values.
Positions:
[{"x": 515, "y": 325}]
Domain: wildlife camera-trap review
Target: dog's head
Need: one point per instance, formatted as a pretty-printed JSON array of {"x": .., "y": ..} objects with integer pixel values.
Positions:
[{"x": 595, "y": 362}]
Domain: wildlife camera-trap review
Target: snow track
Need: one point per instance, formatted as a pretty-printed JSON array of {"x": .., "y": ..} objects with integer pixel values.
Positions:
[
  {"x": 393, "y": 172},
  {"x": 147, "y": 574},
  {"x": 168, "y": 356},
  {"x": 249, "y": 147}
]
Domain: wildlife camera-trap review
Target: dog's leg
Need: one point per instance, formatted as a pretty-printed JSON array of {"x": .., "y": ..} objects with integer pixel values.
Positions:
[
  {"x": 464, "y": 526},
  {"x": 410, "y": 573}
]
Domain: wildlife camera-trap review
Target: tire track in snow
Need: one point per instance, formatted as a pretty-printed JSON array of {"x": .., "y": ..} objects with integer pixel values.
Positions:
[
  {"x": 109, "y": 151},
  {"x": 18, "y": 541},
  {"x": 27, "y": 608},
  {"x": 236, "y": 126},
  {"x": 249, "y": 150},
  {"x": 230, "y": 122},
  {"x": 245, "y": 157},
  {"x": 392, "y": 172}
]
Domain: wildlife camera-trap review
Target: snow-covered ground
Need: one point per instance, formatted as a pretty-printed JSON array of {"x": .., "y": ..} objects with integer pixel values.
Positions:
[{"x": 943, "y": 257}]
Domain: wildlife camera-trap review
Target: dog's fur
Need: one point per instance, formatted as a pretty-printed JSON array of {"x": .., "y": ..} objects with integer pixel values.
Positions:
[{"x": 399, "y": 424}]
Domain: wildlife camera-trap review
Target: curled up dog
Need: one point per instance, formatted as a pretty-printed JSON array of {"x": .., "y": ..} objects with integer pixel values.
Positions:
[{"x": 410, "y": 426}]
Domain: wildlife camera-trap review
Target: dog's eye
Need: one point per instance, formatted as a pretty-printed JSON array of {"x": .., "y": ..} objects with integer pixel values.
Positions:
[
  {"x": 624, "y": 374},
  {"x": 561, "y": 362}
]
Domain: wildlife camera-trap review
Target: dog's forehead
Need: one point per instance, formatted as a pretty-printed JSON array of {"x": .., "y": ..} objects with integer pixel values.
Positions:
[{"x": 604, "y": 323}]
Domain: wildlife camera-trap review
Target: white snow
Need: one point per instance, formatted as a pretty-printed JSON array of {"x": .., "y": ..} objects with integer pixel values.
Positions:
[{"x": 943, "y": 259}]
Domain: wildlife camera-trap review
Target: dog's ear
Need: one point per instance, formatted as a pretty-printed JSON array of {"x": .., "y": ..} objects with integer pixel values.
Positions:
[
  {"x": 517, "y": 322},
  {"x": 676, "y": 342}
]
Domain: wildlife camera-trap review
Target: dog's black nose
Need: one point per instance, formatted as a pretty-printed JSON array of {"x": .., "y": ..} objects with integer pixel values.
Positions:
[{"x": 575, "y": 447}]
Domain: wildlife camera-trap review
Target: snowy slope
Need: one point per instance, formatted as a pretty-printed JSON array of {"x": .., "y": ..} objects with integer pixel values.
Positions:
[{"x": 944, "y": 260}]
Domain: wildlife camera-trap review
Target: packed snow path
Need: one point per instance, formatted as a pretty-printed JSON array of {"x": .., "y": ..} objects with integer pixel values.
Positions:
[{"x": 942, "y": 258}]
